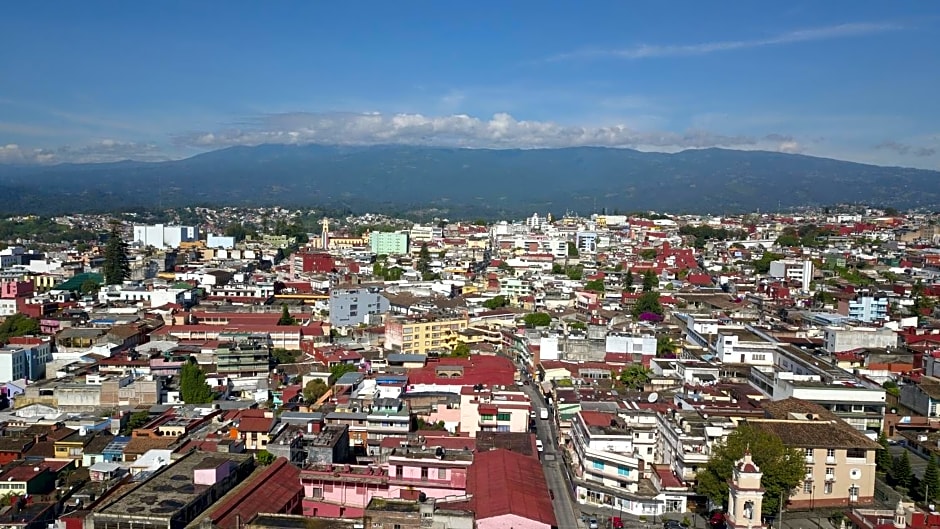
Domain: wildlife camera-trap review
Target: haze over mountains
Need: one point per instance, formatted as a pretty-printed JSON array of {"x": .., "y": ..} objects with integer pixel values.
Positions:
[{"x": 467, "y": 182}]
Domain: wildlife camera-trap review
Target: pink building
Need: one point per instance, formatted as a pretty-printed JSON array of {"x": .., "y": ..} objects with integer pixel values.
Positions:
[
  {"x": 484, "y": 410},
  {"x": 508, "y": 489},
  {"x": 16, "y": 289},
  {"x": 334, "y": 491}
]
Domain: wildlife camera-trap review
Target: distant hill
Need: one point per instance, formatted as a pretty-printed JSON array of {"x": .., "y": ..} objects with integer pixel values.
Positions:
[{"x": 467, "y": 182}]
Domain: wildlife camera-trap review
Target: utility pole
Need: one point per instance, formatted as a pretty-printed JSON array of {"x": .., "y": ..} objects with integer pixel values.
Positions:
[{"x": 780, "y": 515}]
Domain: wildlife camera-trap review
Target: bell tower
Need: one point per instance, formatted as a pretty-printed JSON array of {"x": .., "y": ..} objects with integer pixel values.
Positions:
[{"x": 745, "y": 494}]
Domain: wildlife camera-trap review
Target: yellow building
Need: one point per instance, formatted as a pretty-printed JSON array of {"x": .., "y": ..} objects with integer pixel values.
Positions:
[{"x": 420, "y": 335}]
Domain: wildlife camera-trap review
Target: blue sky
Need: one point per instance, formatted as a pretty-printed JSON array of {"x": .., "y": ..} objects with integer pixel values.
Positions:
[{"x": 101, "y": 81}]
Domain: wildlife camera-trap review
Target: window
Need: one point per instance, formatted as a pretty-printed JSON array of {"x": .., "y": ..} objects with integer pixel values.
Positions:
[
  {"x": 858, "y": 453},
  {"x": 828, "y": 487},
  {"x": 830, "y": 452},
  {"x": 830, "y": 472},
  {"x": 809, "y": 453},
  {"x": 502, "y": 417},
  {"x": 486, "y": 417},
  {"x": 807, "y": 487},
  {"x": 623, "y": 471},
  {"x": 424, "y": 473},
  {"x": 758, "y": 357},
  {"x": 316, "y": 492},
  {"x": 809, "y": 470},
  {"x": 442, "y": 473},
  {"x": 598, "y": 465}
]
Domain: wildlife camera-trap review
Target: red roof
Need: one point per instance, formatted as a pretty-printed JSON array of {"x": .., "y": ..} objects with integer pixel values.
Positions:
[
  {"x": 597, "y": 418},
  {"x": 509, "y": 483},
  {"x": 255, "y": 424},
  {"x": 274, "y": 490},
  {"x": 478, "y": 369}
]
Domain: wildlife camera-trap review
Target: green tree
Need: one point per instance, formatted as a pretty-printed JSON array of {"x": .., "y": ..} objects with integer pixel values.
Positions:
[
  {"x": 193, "y": 387},
  {"x": 628, "y": 279},
  {"x": 883, "y": 460},
  {"x": 783, "y": 467},
  {"x": 648, "y": 254},
  {"x": 338, "y": 370},
  {"x": 89, "y": 287},
  {"x": 650, "y": 281},
  {"x": 931, "y": 481},
  {"x": 136, "y": 420},
  {"x": 117, "y": 267},
  {"x": 283, "y": 356},
  {"x": 575, "y": 273},
  {"x": 557, "y": 269},
  {"x": 537, "y": 319},
  {"x": 891, "y": 388},
  {"x": 18, "y": 324},
  {"x": 237, "y": 231},
  {"x": 461, "y": 350},
  {"x": 648, "y": 302},
  {"x": 424, "y": 259},
  {"x": 496, "y": 302},
  {"x": 901, "y": 472},
  {"x": 635, "y": 376},
  {"x": 314, "y": 389},
  {"x": 665, "y": 346},
  {"x": 264, "y": 458},
  {"x": 595, "y": 285},
  {"x": 286, "y": 318},
  {"x": 572, "y": 250}
]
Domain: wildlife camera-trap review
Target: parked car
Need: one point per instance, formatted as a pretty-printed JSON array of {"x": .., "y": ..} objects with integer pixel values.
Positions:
[
  {"x": 674, "y": 524},
  {"x": 592, "y": 523}
]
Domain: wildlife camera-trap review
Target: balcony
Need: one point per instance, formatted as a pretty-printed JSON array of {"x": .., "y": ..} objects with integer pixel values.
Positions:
[
  {"x": 830, "y": 478},
  {"x": 810, "y": 460}
]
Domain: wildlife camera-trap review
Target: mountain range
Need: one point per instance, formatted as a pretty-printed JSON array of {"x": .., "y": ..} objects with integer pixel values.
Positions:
[{"x": 466, "y": 183}]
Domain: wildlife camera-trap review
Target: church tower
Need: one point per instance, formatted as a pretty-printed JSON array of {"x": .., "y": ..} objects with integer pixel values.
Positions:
[{"x": 745, "y": 494}]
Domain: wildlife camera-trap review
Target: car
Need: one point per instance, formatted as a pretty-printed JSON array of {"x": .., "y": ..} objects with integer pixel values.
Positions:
[
  {"x": 538, "y": 445},
  {"x": 592, "y": 523},
  {"x": 674, "y": 524}
]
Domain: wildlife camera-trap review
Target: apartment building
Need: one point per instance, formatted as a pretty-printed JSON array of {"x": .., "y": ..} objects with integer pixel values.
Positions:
[
  {"x": 607, "y": 470},
  {"x": 162, "y": 237},
  {"x": 388, "y": 243},
  {"x": 483, "y": 410},
  {"x": 840, "y": 460},
  {"x": 243, "y": 354},
  {"x": 844, "y": 338},
  {"x": 793, "y": 270},
  {"x": 419, "y": 335},
  {"x": 866, "y": 308},
  {"x": 355, "y": 306}
]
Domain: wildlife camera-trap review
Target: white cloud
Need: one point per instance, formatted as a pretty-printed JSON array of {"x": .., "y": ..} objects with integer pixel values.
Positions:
[
  {"x": 648, "y": 51},
  {"x": 106, "y": 150},
  {"x": 459, "y": 130}
]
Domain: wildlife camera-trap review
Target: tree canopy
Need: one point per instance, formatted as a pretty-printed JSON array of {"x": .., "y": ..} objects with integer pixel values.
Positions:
[
  {"x": 314, "y": 389},
  {"x": 18, "y": 324},
  {"x": 338, "y": 370},
  {"x": 650, "y": 281},
  {"x": 783, "y": 467},
  {"x": 635, "y": 376},
  {"x": 496, "y": 302},
  {"x": 595, "y": 285},
  {"x": 116, "y": 266},
  {"x": 537, "y": 319},
  {"x": 648, "y": 302},
  {"x": 193, "y": 387},
  {"x": 286, "y": 318}
]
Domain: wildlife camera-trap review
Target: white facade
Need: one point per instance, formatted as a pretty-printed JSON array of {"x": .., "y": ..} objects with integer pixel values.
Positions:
[
  {"x": 7, "y": 307},
  {"x": 869, "y": 308},
  {"x": 162, "y": 237},
  {"x": 220, "y": 241},
  {"x": 629, "y": 344},
  {"x": 14, "y": 364},
  {"x": 731, "y": 350},
  {"x": 840, "y": 339},
  {"x": 793, "y": 270}
]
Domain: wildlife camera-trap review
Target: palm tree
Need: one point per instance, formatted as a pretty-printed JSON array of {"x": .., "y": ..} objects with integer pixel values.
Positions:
[{"x": 665, "y": 346}]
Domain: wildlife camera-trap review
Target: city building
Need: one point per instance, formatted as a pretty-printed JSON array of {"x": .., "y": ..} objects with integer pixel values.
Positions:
[
  {"x": 840, "y": 460},
  {"x": 243, "y": 354},
  {"x": 388, "y": 243},
  {"x": 793, "y": 270},
  {"x": 423, "y": 334},
  {"x": 163, "y": 237},
  {"x": 866, "y": 308},
  {"x": 844, "y": 338},
  {"x": 357, "y": 306},
  {"x": 493, "y": 410}
]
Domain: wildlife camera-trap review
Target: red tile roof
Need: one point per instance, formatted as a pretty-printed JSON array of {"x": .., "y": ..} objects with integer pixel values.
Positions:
[
  {"x": 478, "y": 369},
  {"x": 503, "y": 482},
  {"x": 255, "y": 424},
  {"x": 274, "y": 490}
]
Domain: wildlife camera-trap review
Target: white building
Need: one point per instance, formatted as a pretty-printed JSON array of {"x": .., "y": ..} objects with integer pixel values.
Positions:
[
  {"x": 220, "y": 241},
  {"x": 793, "y": 270},
  {"x": 868, "y": 308},
  {"x": 162, "y": 237},
  {"x": 644, "y": 345},
  {"x": 14, "y": 364},
  {"x": 840, "y": 339}
]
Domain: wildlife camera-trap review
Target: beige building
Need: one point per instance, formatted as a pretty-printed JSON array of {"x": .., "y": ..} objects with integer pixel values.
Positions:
[
  {"x": 840, "y": 460},
  {"x": 423, "y": 334}
]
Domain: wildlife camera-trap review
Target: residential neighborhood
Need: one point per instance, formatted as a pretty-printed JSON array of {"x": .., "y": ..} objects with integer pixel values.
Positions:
[{"x": 273, "y": 368}]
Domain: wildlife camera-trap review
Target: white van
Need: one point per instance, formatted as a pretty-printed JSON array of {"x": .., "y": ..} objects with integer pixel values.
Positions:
[{"x": 538, "y": 445}]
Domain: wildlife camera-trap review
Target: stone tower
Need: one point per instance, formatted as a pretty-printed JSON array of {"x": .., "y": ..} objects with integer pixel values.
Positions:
[{"x": 745, "y": 494}]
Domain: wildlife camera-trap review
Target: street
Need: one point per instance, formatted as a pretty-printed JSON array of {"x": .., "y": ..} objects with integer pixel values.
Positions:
[
  {"x": 554, "y": 466},
  {"x": 918, "y": 463}
]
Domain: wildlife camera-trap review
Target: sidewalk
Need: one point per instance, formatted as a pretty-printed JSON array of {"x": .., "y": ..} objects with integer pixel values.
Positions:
[{"x": 632, "y": 521}]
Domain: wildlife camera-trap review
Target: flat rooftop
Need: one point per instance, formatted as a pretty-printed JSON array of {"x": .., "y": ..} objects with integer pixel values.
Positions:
[{"x": 169, "y": 490}]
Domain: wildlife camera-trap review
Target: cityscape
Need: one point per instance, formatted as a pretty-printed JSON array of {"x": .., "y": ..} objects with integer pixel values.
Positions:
[{"x": 490, "y": 265}]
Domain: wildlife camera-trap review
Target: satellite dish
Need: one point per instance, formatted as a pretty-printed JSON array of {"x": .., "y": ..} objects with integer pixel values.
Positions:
[{"x": 653, "y": 397}]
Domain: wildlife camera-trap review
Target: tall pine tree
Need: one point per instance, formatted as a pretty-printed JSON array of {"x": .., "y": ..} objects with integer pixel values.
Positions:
[
  {"x": 902, "y": 473},
  {"x": 116, "y": 266},
  {"x": 931, "y": 481},
  {"x": 883, "y": 460},
  {"x": 193, "y": 387}
]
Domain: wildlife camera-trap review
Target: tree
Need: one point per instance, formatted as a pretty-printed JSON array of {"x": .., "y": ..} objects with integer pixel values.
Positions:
[
  {"x": 314, "y": 389},
  {"x": 136, "y": 420},
  {"x": 595, "y": 285},
  {"x": 89, "y": 287},
  {"x": 286, "y": 318},
  {"x": 572, "y": 250},
  {"x": 650, "y": 281},
  {"x": 193, "y": 387},
  {"x": 283, "y": 356},
  {"x": 496, "y": 302},
  {"x": 931, "y": 481},
  {"x": 883, "y": 460},
  {"x": 891, "y": 388},
  {"x": 557, "y": 269},
  {"x": 648, "y": 254},
  {"x": 116, "y": 266},
  {"x": 338, "y": 370},
  {"x": 461, "y": 350},
  {"x": 901, "y": 472},
  {"x": 783, "y": 467},
  {"x": 628, "y": 279},
  {"x": 537, "y": 319},
  {"x": 424, "y": 259},
  {"x": 648, "y": 302},
  {"x": 18, "y": 324},
  {"x": 665, "y": 346},
  {"x": 635, "y": 377},
  {"x": 575, "y": 273},
  {"x": 264, "y": 458},
  {"x": 237, "y": 231}
]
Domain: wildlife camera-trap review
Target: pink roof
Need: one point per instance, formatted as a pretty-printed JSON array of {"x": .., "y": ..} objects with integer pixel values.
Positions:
[{"x": 503, "y": 482}]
